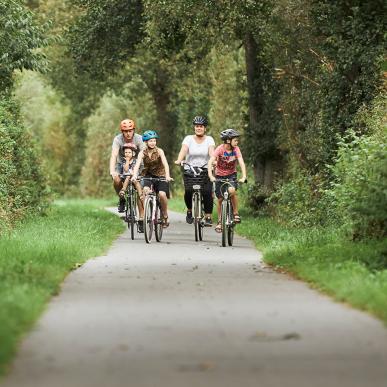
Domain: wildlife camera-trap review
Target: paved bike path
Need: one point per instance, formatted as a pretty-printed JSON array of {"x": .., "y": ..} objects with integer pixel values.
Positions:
[{"x": 180, "y": 313}]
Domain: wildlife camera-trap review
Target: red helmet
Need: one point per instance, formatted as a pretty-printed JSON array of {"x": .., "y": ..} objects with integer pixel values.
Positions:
[{"x": 127, "y": 124}]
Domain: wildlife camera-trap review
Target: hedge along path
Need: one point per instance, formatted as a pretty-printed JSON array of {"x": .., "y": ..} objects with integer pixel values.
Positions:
[{"x": 183, "y": 313}]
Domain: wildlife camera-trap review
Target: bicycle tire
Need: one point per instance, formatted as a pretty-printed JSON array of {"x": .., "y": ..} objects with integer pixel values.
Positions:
[
  {"x": 201, "y": 223},
  {"x": 195, "y": 214},
  {"x": 230, "y": 222},
  {"x": 158, "y": 223},
  {"x": 224, "y": 223},
  {"x": 148, "y": 220},
  {"x": 132, "y": 215}
]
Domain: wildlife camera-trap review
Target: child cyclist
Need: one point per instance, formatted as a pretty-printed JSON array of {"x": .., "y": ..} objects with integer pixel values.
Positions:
[
  {"x": 156, "y": 166},
  {"x": 126, "y": 168},
  {"x": 226, "y": 156}
]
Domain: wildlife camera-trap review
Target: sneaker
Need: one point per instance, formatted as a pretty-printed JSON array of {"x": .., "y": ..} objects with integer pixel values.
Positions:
[
  {"x": 121, "y": 205},
  {"x": 207, "y": 222},
  {"x": 189, "y": 218},
  {"x": 140, "y": 226}
]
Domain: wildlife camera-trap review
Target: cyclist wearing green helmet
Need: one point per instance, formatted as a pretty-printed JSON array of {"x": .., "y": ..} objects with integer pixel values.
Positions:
[{"x": 155, "y": 165}]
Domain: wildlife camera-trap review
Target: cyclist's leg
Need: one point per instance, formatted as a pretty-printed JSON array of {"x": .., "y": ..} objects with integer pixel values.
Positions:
[
  {"x": 188, "y": 198},
  {"x": 117, "y": 184},
  {"x": 164, "y": 203},
  {"x": 140, "y": 203},
  {"x": 234, "y": 201},
  {"x": 124, "y": 186},
  {"x": 208, "y": 200}
]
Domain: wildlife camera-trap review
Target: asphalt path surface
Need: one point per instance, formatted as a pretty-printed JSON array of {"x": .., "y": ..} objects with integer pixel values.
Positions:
[{"x": 181, "y": 313}]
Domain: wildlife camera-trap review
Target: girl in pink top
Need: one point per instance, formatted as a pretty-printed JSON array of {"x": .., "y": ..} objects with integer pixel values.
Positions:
[{"x": 227, "y": 155}]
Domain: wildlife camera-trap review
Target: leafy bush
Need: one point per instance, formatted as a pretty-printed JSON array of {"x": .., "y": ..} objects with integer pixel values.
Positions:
[
  {"x": 302, "y": 202},
  {"x": 360, "y": 189},
  {"x": 22, "y": 183}
]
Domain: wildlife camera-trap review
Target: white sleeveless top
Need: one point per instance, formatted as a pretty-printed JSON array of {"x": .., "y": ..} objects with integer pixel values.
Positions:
[{"x": 197, "y": 155}]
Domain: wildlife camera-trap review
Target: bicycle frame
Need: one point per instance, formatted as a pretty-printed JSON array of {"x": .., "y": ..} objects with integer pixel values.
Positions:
[
  {"x": 227, "y": 213},
  {"x": 153, "y": 215},
  {"x": 197, "y": 179},
  {"x": 130, "y": 206}
]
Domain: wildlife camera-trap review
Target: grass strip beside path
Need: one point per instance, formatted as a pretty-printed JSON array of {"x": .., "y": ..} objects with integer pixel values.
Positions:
[
  {"x": 352, "y": 272},
  {"x": 36, "y": 257},
  {"x": 349, "y": 271}
]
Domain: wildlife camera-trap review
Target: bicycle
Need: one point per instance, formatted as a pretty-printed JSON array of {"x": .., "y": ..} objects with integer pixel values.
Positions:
[
  {"x": 196, "y": 179},
  {"x": 227, "y": 213},
  {"x": 130, "y": 196},
  {"x": 153, "y": 215}
]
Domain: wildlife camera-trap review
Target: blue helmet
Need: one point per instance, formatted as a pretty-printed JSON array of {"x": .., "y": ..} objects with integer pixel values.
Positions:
[{"x": 149, "y": 134}]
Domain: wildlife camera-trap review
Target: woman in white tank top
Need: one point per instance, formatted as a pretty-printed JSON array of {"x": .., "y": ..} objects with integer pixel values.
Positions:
[{"x": 196, "y": 150}]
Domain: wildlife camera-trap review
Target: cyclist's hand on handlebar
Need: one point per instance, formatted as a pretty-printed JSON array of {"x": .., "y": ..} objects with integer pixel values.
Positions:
[
  {"x": 243, "y": 180},
  {"x": 212, "y": 178},
  {"x": 169, "y": 178},
  {"x": 134, "y": 178},
  {"x": 177, "y": 162},
  {"x": 113, "y": 174}
]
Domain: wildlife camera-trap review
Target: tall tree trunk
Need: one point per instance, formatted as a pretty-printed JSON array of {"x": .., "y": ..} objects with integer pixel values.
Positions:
[
  {"x": 165, "y": 116},
  {"x": 264, "y": 166}
]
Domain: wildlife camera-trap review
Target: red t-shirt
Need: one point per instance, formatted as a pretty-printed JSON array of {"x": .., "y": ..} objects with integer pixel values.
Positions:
[{"x": 227, "y": 160}]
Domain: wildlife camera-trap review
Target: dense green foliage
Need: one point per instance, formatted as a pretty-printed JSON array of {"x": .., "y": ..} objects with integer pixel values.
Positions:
[
  {"x": 296, "y": 77},
  {"x": 22, "y": 183},
  {"x": 37, "y": 255},
  {"x": 19, "y": 39},
  {"x": 360, "y": 186}
]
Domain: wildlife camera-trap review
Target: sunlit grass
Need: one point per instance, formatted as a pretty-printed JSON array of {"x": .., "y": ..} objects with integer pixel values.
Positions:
[
  {"x": 326, "y": 259},
  {"x": 35, "y": 258}
]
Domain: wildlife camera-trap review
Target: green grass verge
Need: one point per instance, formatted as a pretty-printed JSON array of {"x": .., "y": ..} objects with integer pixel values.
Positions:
[
  {"x": 37, "y": 255},
  {"x": 349, "y": 271}
]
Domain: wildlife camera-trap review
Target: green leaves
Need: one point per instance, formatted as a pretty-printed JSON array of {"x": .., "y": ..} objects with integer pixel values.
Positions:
[{"x": 20, "y": 38}]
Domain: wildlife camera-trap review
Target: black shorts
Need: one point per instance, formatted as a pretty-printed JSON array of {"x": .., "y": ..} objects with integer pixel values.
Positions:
[
  {"x": 221, "y": 187},
  {"x": 157, "y": 185}
]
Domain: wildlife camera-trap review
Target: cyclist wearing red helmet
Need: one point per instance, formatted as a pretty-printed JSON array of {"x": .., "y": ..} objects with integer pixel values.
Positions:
[{"x": 127, "y": 136}]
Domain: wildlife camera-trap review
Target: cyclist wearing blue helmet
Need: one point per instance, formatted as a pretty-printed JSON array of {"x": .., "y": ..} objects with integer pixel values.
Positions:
[
  {"x": 196, "y": 150},
  {"x": 155, "y": 165}
]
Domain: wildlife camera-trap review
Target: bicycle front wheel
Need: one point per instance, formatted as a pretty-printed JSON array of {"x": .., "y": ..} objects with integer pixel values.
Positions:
[
  {"x": 196, "y": 215},
  {"x": 132, "y": 214},
  {"x": 158, "y": 223},
  {"x": 230, "y": 222},
  {"x": 148, "y": 219},
  {"x": 224, "y": 223}
]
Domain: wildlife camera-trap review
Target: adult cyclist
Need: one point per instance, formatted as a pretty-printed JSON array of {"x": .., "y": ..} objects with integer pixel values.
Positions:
[
  {"x": 197, "y": 149},
  {"x": 127, "y": 136}
]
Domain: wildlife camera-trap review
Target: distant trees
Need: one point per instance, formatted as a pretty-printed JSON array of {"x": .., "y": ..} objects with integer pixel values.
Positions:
[{"x": 292, "y": 75}]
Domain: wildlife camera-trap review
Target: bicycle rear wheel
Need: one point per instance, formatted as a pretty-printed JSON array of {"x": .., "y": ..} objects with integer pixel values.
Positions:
[
  {"x": 196, "y": 215},
  {"x": 230, "y": 222},
  {"x": 224, "y": 223},
  {"x": 158, "y": 223},
  {"x": 148, "y": 221}
]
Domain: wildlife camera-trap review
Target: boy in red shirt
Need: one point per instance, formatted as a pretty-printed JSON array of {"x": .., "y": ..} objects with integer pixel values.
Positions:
[{"x": 226, "y": 156}]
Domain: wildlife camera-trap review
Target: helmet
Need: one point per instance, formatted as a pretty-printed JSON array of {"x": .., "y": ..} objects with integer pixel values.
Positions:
[
  {"x": 127, "y": 124},
  {"x": 200, "y": 120},
  {"x": 228, "y": 134},
  {"x": 131, "y": 146},
  {"x": 149, "y": 134}
]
